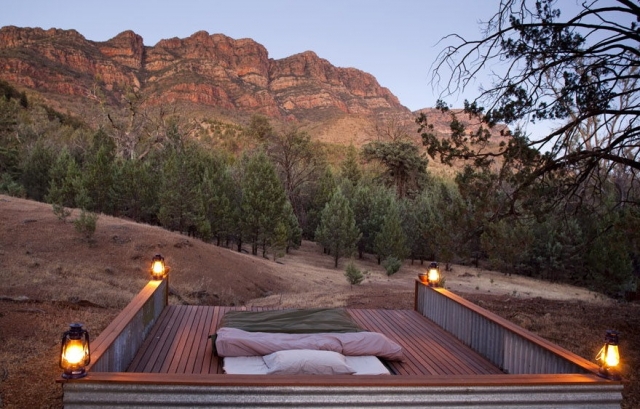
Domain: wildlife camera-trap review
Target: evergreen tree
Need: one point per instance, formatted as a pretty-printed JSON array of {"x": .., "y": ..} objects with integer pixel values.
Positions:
[
  {"x": 181, "y": 207},
  {"x": 349, "y": 168},
  {"x": 262, "y": 203},
  {"x": 64, "y": 184},
  {"x": 337, "y": 231},
  {"x": 370, "y": 204},
  {"x": 391, "y": 240},
  {"x": 34, "y": 170},
  {"x": 318, "y": 195},
  {"x": 136, "y": 186},
  {"x": 217, "y": 195}
]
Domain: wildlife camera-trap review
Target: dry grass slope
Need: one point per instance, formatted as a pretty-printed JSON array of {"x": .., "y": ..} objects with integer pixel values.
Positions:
[{"x": 50, "y": 276}]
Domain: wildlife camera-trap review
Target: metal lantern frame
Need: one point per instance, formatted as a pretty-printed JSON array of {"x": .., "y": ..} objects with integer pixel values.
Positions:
[
  {"x": 75, "y": 340},
  {"x": 158, "y": 267},
  {"x": 609, "y": 356},
  {"x": 433, "y": 275}
]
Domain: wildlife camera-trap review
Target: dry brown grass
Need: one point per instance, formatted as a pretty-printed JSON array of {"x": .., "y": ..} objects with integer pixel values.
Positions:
[{"x": 50, "y": 277}]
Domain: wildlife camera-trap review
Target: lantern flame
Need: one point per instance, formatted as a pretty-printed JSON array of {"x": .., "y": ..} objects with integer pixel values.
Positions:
[
  {"x": 609, "y": 356},
  {"x": 434, "y": 276},
  {"x": 157, "y": 268},
  {"x": 74, "y": 352}
]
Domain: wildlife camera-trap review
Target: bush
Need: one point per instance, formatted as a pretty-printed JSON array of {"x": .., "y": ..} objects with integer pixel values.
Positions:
[
  {"x": 353, "y": 274},
  {"x": 392, "y": 265},
  {"x": 86, "y": 224},
  {"x": 61, "y": 212}
]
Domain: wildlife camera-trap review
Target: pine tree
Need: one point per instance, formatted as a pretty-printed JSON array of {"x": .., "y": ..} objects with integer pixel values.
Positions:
[
  {"x": 391, "y": 240},
  {"x": 349, "y": 168},
  {"x": 262, "y": 205},
  {"x": 64, "y": 177},
  {"x": 337, "y": 231}
]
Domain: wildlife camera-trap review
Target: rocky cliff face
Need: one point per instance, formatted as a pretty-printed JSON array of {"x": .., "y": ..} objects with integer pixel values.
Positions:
[{"x": 208, "y": 70}]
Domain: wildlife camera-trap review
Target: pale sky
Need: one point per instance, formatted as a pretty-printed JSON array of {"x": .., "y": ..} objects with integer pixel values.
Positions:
[{"x": 394, "y": 40}]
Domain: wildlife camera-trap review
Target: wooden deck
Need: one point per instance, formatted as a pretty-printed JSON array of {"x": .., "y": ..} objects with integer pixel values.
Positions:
[{"x": 179, "y": 343}]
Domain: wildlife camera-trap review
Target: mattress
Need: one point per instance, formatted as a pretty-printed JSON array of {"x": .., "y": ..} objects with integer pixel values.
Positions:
[{"x": 255, "y": 365}]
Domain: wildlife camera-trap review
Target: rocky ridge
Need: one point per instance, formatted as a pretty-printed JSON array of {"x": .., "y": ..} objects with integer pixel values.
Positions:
[{"x": 208, "y": 70}]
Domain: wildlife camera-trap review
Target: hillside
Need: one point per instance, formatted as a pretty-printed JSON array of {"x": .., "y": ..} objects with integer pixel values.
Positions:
[
  {"x": 202, "y": 77},
  {"x": 52, "y": 277}
]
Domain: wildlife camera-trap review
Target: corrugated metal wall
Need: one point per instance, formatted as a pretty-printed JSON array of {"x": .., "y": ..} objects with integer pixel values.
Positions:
[
  {"x": 123, "y": 349},
  {"x": 506, "y": 349},
  {"x": 82, "y": 395}
]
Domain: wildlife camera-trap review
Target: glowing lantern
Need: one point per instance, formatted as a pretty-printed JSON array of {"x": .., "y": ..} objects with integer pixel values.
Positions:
[
  {"x": 158, "y": 269},
  {"x": 433, "y": 275},
  {"x": 74, "y": 353},
  {"x": 609, "y": 356}
]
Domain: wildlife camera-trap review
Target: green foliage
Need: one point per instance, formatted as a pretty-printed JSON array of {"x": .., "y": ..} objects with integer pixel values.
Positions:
[
  {"x": 263, "y": 201},
  {"x": 136, "y": 189},
  {"x": 353, "y": 274},
  {"x": 318, "y": 195},
  {"x": 34, "y": 171},
  {"x": 406, "y": 166},
  {"x": 64, "y": 181},
  {"x": 371, "y": 204},
  {"x": 181, "y": 207},
  {"x": 299, "y": 162},
  {"x": 86, "y": 223},
  {"x": 350, "y": 168},
  {"x": 390, "y": 241},
  {"x": 10, "y": 187},
  {"x": 337, "y": 231},
  {"x": 392, "y": 265},
  {"x": 565, "y": 69}
]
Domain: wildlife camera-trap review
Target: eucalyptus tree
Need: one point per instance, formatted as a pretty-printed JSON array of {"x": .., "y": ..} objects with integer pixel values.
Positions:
[
  {"x": 298, "y": 161},
  {"x": 576, "y": 67},
  {"x": 405, "y": 164}
]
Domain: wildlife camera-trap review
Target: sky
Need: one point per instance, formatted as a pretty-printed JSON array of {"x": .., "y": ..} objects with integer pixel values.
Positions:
[{"x": 394, "y": 40}]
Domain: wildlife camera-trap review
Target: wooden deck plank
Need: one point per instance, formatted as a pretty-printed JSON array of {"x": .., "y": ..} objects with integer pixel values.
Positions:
[
  {"x": 424, "y": 345},
  {"x": 142, "y": 359},
  {"x": 407, "y": 366},
  {"x": 183, "y": 341},
  {"x": 413, "y": 362},
  {"x": 164, "y": 343},
  {"x": 197, "y": 341},
  {"x": 445, "y": 351},
  {"x": 179, "y": 343}
]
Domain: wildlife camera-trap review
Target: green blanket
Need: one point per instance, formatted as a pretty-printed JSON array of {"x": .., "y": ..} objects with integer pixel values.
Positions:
[{"x": 307, "y": 321}]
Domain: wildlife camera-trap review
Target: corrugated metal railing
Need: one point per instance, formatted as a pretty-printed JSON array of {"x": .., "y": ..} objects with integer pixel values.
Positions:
[
  {"x": 509, "y": 347},
  {"x": 118, "y": 344}
]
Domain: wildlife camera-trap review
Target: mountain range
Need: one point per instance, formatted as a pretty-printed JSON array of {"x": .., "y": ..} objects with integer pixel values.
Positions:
[{"x": 206, "y": 75}]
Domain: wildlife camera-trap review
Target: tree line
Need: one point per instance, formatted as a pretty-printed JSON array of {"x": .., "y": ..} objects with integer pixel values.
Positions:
[{"x": 281, "y": 188}]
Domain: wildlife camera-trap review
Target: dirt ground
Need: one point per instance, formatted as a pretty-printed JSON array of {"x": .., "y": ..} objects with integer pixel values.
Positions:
[{"x": 50, "y": 276}]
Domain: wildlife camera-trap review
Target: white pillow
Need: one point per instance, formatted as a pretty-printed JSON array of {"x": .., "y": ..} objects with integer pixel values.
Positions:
[{"x": 307, "y": 361}]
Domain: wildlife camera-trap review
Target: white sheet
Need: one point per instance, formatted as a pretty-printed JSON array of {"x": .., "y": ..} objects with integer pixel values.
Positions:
[{"x": 254, "y": 365}]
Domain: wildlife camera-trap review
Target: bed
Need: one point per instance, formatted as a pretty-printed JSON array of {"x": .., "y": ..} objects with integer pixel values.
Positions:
[{"x": 311, "y": 341}]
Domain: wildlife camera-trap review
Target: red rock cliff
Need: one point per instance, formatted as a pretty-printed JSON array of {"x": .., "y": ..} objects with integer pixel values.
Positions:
[{"x": 209, "y": 70}]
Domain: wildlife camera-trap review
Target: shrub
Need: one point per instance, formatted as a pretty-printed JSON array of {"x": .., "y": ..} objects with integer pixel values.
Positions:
[
  {"x": 392, "y": 265},
  {"x": 353, "y": 274},
  {"x": 85, "y": 224}
]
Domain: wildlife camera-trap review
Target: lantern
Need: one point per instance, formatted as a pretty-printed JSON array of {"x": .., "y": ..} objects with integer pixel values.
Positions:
[
  {"x": 158, "y": 269},
  {"x": 433, "y": 275},
  {"x": 74, "y": 353},
  {"x": 609, "y": 356}
]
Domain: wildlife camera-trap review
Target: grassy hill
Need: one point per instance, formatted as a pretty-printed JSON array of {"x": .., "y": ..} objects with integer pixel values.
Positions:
[{"x": 51, "y": 276}]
